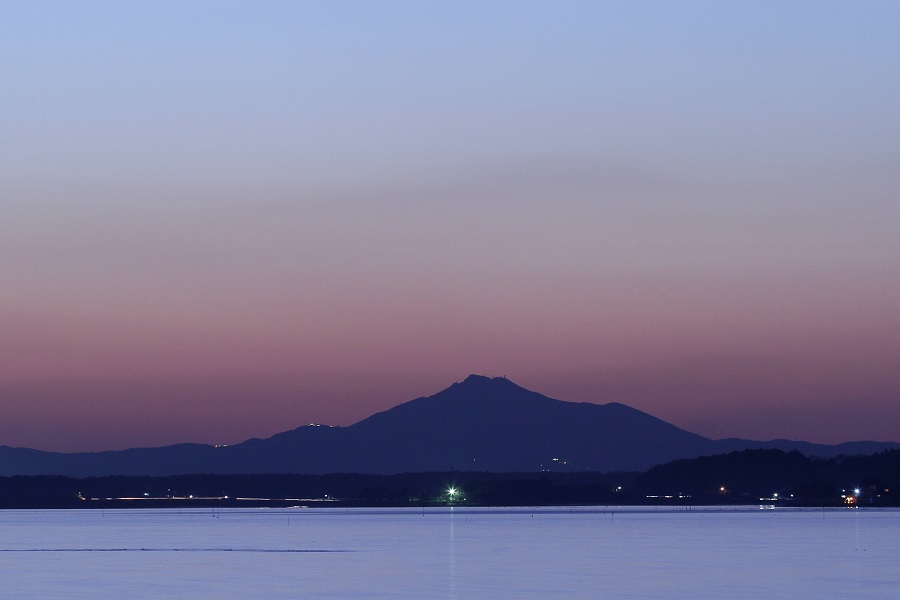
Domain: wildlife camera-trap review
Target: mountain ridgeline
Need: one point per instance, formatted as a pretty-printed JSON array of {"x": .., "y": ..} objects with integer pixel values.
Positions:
[{"x": 481, "y": 424}]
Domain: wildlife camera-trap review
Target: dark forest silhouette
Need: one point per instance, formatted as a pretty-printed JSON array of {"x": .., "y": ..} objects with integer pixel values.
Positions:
[{"x": 770, "y": 477}]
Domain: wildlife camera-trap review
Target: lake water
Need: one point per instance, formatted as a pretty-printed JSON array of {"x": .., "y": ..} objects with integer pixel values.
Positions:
[{"x": 450, "y": 553}]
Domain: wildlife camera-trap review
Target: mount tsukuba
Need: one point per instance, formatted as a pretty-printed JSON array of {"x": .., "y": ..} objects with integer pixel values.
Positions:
[{"x": 480, "y": 424}]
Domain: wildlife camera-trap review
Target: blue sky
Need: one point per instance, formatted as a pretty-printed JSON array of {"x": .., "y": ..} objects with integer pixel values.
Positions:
[{"x": 319, "y": 209}]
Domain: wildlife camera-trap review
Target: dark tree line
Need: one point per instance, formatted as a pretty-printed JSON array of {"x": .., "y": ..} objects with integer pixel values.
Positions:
[
  {"x": 784, "y": 477},
  {"x": 745, "y": 477}
]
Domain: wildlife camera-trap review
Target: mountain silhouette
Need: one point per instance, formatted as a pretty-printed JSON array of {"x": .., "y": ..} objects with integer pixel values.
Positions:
[{"x": 480, "y": 424}]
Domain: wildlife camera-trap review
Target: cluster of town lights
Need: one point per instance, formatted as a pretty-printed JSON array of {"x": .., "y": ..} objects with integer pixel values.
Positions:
[{"x": 851, "y": 499}]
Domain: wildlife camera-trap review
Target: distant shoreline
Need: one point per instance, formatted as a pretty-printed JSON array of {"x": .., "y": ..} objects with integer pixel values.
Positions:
[{"x": 747, "y": 478}]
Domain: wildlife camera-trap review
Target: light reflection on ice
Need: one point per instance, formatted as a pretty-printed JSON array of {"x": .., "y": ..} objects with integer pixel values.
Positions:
[{"x": 455, "y": 552}]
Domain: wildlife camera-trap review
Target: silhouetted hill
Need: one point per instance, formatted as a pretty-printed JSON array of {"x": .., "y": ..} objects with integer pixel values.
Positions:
[
  {"x": 480, "y": 424},
  {"x": 807, "y": 448},
  {"x": 485, "y": 424},
  {"x": 780, "y": 477}
]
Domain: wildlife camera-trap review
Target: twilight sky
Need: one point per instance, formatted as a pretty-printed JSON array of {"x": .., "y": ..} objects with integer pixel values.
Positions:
[{"x": 221, "y": 220}]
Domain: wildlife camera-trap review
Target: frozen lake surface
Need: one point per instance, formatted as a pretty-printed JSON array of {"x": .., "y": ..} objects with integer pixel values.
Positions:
[{"x": 579, "y": 552}]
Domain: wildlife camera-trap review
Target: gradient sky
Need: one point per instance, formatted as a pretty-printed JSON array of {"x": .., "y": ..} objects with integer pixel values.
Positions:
[{"x": 221, "y": 220}]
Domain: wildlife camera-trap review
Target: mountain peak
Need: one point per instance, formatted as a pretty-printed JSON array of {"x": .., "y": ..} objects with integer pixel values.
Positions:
[
  {"x": 480, "y": 424},
  {"x": 482, "y": 380}
]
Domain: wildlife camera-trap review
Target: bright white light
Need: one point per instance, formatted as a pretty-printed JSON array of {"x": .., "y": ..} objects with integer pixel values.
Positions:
[
  {"x": 856, "y": 491},
  {"x": 451, "y": 491}
]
